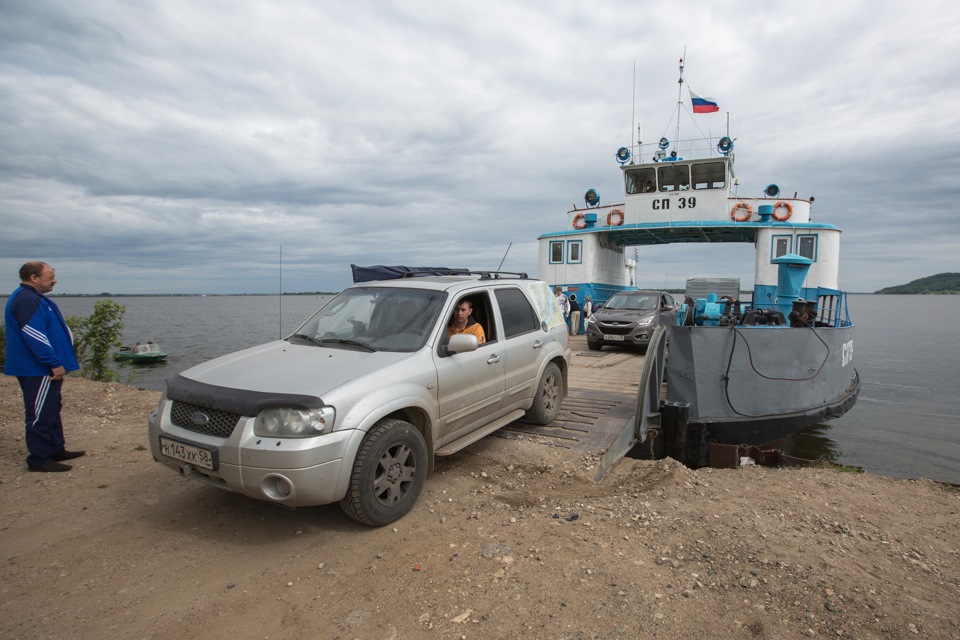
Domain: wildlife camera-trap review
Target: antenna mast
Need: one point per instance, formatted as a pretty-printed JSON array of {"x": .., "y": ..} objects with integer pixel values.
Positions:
[
  {"x": 680, "y": 98},
  {"x": 505, "y": 255},
  {"x": 633, "y": 112},
  {"x": 280, "y": 315}
]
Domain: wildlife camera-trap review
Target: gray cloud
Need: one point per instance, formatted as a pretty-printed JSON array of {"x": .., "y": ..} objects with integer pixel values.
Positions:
[{"x": 176, "y": 146}]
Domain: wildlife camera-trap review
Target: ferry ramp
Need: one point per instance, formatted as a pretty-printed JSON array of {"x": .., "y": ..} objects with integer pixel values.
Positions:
[{"x": 601, "y": 401}]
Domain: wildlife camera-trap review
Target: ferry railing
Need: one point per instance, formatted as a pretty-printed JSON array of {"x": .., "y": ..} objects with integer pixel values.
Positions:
[
  {"x": 687, "y": 149},
  {"x": 833, "y": 309}
]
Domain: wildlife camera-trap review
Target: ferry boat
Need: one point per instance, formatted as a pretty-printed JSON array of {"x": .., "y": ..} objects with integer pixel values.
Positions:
[{"x": 742, "y": 370}]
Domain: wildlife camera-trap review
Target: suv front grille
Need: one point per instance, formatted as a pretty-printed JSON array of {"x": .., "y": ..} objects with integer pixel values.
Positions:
[
  {"x": 217, "y": 423},
  {"x": 620, "y": 329}
]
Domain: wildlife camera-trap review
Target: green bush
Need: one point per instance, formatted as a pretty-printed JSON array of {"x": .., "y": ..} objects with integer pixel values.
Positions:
[{"x": 95, "y": 337}]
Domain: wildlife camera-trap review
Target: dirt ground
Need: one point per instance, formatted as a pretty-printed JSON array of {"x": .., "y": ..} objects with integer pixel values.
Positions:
[{"x": 510, "y": 539}]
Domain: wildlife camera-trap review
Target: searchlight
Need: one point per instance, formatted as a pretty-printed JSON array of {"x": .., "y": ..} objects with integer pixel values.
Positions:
[{"x": 592, "y": 198}]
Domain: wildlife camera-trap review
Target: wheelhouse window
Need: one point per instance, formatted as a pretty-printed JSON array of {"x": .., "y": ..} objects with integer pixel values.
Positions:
[
  {"x": 807, "y": 246},
  {"x": 708, "y": 175},
  {"x": 574, "y": 248},
  {"x": 640, "y": 180},
  {"x": 673, "y": 177},
  {"x": 556, "y": 252},
  {"x": 781, "y": 246}
]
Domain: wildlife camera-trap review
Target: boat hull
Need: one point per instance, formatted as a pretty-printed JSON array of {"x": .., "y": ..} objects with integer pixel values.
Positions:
[
  {"x": 755, "y": 385},
  {"x": 140, "y": 358}
]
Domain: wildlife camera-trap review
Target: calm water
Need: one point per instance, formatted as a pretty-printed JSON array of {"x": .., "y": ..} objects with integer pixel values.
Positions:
[{"x": 907, "y": 352}]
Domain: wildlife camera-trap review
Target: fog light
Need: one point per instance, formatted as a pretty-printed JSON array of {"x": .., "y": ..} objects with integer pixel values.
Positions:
[{"x": 277, "y": 487}]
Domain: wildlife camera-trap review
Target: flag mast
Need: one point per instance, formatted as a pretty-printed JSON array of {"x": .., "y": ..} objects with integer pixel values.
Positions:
[{"x": 680, "y": 99}]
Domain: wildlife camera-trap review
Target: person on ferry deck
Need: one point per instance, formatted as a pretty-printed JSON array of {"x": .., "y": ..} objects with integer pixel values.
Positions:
[{"x": 574, "y": 315}]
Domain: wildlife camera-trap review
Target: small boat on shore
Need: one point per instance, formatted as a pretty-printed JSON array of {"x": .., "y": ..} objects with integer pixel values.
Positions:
[
  {"x": 743, "y": 369},
  {"x": 140, "y": 353}
]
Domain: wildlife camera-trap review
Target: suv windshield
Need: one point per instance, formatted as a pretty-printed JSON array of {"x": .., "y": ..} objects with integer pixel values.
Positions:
[
  {"x": 633, "y": 301},
  {"x": 375, "y": 318}
]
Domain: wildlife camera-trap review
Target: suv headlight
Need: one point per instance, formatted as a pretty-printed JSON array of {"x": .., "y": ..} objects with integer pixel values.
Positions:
[
  {"x": 294, "y": 423},
  {"x": 642, "y": 322}
]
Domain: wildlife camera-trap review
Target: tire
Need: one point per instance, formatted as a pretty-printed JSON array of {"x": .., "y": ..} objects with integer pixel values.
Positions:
[
  {"x": 594, "y": 346},
  {"x": 388, "y": 474},
  {"x": 546, "y": 404}
]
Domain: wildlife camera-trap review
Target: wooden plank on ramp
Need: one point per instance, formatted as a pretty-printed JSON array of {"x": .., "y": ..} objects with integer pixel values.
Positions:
[{"x": 588, "y": 422}]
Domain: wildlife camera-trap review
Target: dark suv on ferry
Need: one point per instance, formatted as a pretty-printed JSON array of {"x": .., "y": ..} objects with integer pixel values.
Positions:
[{"x": 629, "y": 318}]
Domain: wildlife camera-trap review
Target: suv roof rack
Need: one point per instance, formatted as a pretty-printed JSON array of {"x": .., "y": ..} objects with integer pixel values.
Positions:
[
  {"x": 381, "y": 272},
  {"x": 484, "y": 275}
]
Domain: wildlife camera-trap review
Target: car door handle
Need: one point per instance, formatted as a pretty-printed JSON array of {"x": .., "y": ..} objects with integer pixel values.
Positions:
[
  {"x": 495, "y": 358},
  {"x": 538, "y": 344}
]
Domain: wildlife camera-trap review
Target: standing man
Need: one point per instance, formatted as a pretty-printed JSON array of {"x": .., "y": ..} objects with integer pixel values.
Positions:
[
  {"x": 587, "y": 309},
  {"x": 40, "y": 353},
  {"x": 562, "y": 302},
  {"x": 574, "y": 315}
]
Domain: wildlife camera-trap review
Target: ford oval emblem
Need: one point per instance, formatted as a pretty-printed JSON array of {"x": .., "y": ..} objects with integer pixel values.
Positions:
[{"x": 199, "y": 419}]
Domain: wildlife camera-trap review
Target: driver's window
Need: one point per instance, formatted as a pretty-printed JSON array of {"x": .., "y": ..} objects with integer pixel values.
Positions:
[{"x": 479, "y": 313}]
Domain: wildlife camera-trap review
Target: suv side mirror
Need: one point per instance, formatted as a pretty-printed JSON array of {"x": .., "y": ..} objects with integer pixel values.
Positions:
[{"x": 462, "y": 342}]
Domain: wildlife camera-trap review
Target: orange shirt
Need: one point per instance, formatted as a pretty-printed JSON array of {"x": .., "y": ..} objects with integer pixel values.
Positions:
[{"x": 472, "y": 329}]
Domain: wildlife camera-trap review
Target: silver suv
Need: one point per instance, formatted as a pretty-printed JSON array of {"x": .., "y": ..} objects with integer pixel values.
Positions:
[
  {"x": 629, "y": 317},
  {"x": 354, "y": 406}
]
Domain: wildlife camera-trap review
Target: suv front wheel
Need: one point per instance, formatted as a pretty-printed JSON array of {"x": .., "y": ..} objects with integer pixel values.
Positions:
[{"x": 388, "y": 474}]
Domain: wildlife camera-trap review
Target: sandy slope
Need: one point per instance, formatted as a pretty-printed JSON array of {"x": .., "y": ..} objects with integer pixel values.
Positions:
[{"x": 511, "y": 539}]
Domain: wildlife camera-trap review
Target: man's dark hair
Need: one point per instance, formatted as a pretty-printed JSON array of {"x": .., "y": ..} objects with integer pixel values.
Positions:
[{"x": 31, "y": 269}]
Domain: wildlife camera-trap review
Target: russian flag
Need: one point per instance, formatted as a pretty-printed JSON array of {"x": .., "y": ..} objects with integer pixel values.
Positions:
[{"x": 703, "y": 105}]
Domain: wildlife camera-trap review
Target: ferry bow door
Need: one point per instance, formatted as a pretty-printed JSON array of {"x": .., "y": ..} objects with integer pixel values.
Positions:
[{"x": 470, "y": 385}]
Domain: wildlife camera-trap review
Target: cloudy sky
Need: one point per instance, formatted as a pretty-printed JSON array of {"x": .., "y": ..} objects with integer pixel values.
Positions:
[{"x": 185, "y": 146}]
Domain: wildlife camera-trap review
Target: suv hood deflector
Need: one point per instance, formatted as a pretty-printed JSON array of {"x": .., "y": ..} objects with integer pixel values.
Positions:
[{"x": 276, "y": 374}]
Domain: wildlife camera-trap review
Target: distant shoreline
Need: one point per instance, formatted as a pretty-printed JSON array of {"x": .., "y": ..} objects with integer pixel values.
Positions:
[{"x": 180, "y": 295}]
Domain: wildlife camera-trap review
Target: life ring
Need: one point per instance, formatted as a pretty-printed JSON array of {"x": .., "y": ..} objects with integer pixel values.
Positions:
[
  {"x": 579, "y": 222},
  {"x": 615, "y": 218},
  {"x": 741, "y": 205},
  {"x": 785, "y": 205}
]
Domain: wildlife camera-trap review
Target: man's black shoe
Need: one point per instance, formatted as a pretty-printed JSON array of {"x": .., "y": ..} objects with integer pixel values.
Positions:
[
  {"x": 68, "y": 455},
  {"x": 50, "y": 466}
]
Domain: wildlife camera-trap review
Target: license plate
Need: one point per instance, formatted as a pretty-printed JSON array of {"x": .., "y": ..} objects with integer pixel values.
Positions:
[
  {"x": 188, "y": 453},
  {"x": 613, "y": 338}
]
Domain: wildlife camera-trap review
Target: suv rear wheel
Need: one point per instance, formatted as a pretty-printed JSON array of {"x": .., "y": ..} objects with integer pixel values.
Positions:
[
  {"x": 388, "y": 474},
  {"x": 546, "y": 404}
]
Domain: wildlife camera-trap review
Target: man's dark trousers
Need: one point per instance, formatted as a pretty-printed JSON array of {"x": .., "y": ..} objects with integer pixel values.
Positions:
[{"x": 41, "y": 408}]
